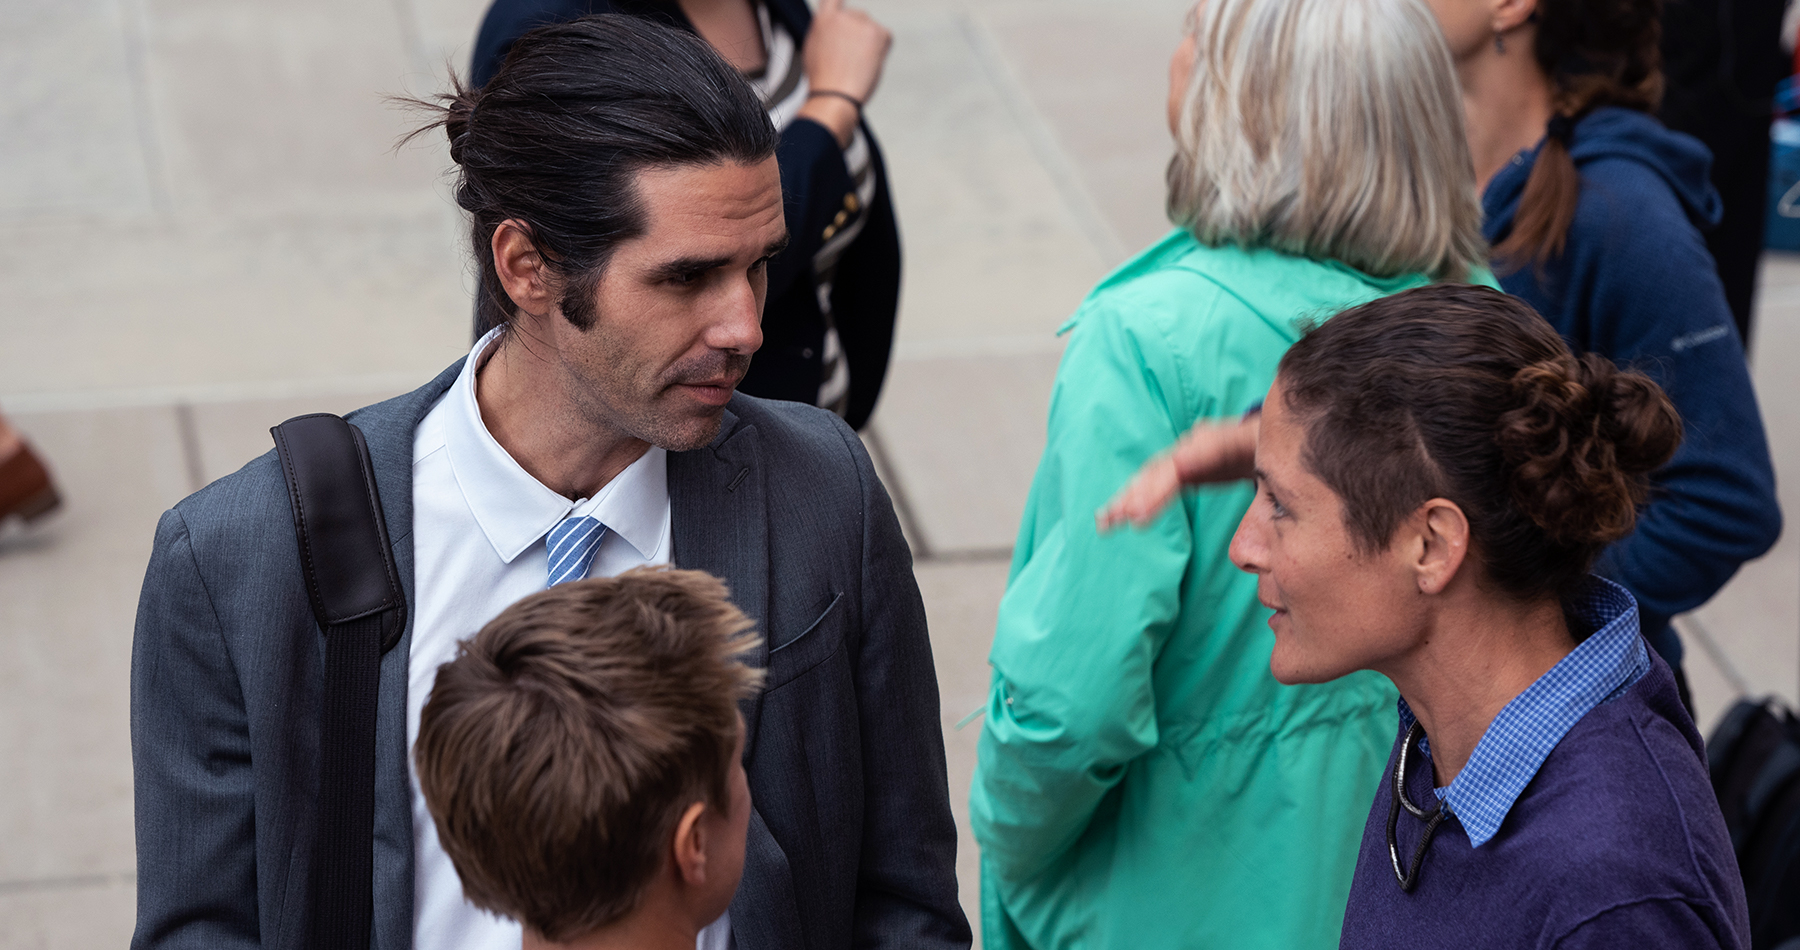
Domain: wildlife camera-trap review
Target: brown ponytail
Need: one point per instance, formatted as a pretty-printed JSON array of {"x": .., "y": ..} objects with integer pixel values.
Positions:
[{"x": 1596, "y": 53}]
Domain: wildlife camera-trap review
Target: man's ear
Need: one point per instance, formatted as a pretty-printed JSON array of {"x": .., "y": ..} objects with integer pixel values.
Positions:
[
  {"x": 690, "y": 845},
  {"x": 1442, "y": 544},
  {"x": 521, "y": 268}
]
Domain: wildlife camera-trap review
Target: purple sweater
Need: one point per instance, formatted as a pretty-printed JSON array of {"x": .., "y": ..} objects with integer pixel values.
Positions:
[{"x": 1617, "y": 842}]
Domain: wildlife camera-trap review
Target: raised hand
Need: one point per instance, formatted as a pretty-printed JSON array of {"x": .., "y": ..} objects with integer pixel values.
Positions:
[
  {"x": 1210, "y": 452},
  {"x": 845, "y": 50}
]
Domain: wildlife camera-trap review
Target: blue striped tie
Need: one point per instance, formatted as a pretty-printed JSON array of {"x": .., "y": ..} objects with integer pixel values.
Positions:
[{"x": 572, "y": 545}]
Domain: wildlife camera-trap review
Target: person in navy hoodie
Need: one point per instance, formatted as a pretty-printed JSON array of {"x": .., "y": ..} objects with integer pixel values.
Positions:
[
  {"x": 1436, "y": 475},
  {"x": 1595, "y": 212}
]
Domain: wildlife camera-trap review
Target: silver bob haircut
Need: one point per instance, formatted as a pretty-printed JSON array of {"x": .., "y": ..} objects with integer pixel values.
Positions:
[{"x": 1327, "y": 129}]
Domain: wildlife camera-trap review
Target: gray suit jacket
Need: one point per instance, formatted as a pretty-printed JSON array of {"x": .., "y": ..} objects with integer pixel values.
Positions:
[{"x": 851, "y": 842}]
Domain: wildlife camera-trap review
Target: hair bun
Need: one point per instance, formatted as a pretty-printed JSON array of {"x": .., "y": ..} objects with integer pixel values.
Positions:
[
  {"x": 1582, "y": 442},
  {"x": 459, "y": 108}
]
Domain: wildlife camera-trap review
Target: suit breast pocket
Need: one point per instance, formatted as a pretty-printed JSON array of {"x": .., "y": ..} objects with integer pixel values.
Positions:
[{"x": 817, "y": 642}]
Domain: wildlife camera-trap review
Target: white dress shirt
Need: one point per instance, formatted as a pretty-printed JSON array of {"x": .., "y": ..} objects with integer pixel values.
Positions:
[{"x": 479, "y": 523}]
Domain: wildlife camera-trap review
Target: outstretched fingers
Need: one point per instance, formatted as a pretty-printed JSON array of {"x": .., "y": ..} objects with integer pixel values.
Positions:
[
  {"x": 1210, "y": 452},
  {"x": 1143, "y": 498}
]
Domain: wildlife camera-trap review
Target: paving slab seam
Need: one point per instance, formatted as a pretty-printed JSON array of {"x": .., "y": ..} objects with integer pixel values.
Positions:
[
  {"x": 1041, "y": 136},
  {"x": 137, "y": 62},
  {"x": 73, "y": 882},
  {"x": 88, "y": 400},
  {"x": 411, "y": 35},
  {"x": 966, "y": 556},
  {"x": 903, "y": 510},
  {"x": 190, "y": 446},
  {"x": 979, "y": 347}
]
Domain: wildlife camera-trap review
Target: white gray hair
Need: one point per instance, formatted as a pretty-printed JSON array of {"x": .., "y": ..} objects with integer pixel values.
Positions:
[{"x": 1330, "y": 129}]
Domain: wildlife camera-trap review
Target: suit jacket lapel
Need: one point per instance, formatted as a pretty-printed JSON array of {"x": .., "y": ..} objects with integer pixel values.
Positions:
[
  {"x": 720, "y": 508},
  {"x": 721, "y": 526}
]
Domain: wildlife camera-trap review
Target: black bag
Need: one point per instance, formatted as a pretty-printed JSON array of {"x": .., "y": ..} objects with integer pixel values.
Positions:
[
  {"x": 357, "y": 599},
  {"x": 1754, "y": 758}
]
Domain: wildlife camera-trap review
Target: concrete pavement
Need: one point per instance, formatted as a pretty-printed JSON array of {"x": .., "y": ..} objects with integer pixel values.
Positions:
[{"x": 204, "y": 229}]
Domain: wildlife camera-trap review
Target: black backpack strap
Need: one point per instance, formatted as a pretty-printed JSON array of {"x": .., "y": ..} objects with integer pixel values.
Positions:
[{"x": 356, "y": 596}]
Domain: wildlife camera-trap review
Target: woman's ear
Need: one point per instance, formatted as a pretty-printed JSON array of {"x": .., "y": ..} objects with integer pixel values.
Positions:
[
  {"x": 1443, "y": 534},
  {"x": 1512, "y": 14}
]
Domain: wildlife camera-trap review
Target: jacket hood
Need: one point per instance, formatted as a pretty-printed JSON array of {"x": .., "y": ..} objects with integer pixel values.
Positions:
[{"x": 1679, "y": 160}]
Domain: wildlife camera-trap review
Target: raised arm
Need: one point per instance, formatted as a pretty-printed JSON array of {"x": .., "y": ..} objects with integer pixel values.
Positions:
[
  {"x": 1212, "y": 451},
  {"x": 844, "y": 54}
]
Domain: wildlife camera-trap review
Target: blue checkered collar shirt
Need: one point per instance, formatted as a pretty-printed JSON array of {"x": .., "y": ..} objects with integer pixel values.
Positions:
[{"x": 1520, "y": 738}]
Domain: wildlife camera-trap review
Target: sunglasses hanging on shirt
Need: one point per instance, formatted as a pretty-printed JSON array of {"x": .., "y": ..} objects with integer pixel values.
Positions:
[{"x": 1410, "y": 878}]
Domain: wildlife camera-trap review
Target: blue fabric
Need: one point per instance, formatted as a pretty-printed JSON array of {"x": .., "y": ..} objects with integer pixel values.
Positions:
[
  {"x": 1635, "y": 284},
  {"x": 1520, "y": 738},
  {"x": 1614, "y": 841},
  {"x": 572, "y": 544}
]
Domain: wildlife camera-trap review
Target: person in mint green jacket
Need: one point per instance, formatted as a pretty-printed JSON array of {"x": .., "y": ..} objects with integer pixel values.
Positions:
[{"x": 1143, "y": 781}]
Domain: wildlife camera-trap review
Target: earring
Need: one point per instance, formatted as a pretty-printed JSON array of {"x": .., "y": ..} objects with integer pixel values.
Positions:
[{"x": 1500, "y": 43}]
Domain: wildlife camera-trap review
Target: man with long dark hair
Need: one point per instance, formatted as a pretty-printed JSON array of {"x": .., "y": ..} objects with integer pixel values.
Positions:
[
  {"x": 624, "y": 203},
  {"x": 828, "y": 326}
]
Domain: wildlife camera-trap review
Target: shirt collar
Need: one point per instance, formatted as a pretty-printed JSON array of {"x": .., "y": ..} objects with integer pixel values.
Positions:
[
  {"x": 515, "y": 510},
  {"x": 1522, "y": 736}
]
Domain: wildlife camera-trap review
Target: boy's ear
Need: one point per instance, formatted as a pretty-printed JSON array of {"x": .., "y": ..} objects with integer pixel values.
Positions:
[{"x": 690, "y": 845}]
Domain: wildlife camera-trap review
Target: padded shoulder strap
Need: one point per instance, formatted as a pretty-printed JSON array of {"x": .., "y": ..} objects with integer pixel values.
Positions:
[
  {"x": 356, "y": 597},
  {"x": 344, "y": 552}
]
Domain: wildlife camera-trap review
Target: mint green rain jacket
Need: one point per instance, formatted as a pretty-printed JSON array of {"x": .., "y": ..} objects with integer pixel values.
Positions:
[{"x": 1144, "y": 782}]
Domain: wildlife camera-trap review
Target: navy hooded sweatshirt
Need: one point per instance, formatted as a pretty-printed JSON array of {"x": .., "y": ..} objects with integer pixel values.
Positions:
[{"x": 1635, "y": 284}]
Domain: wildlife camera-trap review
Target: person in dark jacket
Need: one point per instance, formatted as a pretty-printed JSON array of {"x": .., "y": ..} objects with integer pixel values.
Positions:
[
  {"x": 1436, "y": 475},
  {"x": 595, "y": 431},
  {"x": 1721, "y": 60},
  {"x": 828, "y": 328},
  {"x": 1594, "y": 210}
]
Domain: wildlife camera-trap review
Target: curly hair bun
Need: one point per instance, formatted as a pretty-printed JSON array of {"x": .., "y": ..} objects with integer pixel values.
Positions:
[{"x": 1582, "y": 443}]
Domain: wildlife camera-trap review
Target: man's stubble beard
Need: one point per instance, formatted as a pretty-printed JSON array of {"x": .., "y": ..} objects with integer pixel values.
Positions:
[{"x": 653, "y": 420}]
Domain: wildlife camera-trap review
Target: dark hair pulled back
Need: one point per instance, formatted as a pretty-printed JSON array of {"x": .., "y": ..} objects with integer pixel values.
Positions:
[
  {"x": 1596, "y": 53},
  {"x": 557, "y": 138},
  {"x": 1465, "y": 393}
]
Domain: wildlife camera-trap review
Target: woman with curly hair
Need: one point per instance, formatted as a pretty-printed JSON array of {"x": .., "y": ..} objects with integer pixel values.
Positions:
[{"x": 1436, "y": 474}]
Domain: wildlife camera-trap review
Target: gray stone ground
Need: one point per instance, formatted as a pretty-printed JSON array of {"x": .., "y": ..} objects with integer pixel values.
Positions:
[{"x": 204, "y": 230}]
